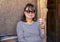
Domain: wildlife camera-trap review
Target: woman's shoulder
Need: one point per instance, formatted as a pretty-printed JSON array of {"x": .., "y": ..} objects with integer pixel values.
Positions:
[
  {"x": 37, "y": 22},
  {"x": 20, "y": 22}
]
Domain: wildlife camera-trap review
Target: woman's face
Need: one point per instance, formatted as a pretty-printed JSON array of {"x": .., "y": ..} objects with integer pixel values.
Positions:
[{"x": 29, "y": 13}]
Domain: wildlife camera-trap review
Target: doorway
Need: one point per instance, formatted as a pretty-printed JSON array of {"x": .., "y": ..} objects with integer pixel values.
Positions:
[{"x": 51, "y": 21}]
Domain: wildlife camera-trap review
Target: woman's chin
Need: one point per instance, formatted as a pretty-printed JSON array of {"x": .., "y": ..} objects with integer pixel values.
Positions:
[{"x": 30, "y": 17}]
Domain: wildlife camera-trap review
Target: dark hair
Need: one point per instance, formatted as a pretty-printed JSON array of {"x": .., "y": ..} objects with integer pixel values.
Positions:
[{"x": 24, "y": 17}]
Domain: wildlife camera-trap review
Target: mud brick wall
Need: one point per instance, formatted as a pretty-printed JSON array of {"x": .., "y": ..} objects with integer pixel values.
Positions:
[{"x": 10, "y": 14}]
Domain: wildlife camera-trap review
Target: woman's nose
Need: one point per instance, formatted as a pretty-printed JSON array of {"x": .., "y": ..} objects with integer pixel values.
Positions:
[{"x": 30, "y": 13}]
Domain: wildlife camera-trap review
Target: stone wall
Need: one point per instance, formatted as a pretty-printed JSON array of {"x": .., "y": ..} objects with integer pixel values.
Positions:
[
  {"x": 10, "y": 14},
  {"x": 42, "y": 13}
]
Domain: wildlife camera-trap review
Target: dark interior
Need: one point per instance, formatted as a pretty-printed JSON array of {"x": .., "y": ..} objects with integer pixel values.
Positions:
[{"x": 53, "y": 21}]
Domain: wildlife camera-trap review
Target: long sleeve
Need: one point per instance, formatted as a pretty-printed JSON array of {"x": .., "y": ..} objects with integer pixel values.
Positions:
[
  {"x": 20, "y": 33},
  {"x": 41, "y": 35}
]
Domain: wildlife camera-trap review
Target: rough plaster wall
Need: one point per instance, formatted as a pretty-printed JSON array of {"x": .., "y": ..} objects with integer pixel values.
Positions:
[{"x": 10, "y": 13}]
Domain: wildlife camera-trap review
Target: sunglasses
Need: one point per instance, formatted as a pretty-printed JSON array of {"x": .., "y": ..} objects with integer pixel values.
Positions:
[{"x": 28, "y": 11}]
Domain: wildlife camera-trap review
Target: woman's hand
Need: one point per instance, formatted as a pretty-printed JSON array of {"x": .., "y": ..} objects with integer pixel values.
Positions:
[
  {"x": 42, "y": 22},
  {"x": 42, "y": 25}
]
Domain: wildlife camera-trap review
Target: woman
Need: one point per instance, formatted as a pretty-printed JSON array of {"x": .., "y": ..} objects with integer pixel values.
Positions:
[{"x": 28, "y": 29}]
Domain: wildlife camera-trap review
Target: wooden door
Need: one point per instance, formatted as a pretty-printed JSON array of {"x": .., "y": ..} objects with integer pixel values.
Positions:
[
  {"x": 58, "y": 21},
  {"x": 51, "y": 21}
]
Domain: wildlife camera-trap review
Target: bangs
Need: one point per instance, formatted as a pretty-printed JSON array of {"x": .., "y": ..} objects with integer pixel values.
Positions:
[{"x": 29, "y": 8}]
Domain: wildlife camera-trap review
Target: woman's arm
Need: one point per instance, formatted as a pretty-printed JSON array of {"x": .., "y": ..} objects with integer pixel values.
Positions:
[
  {"x": 42, "y": 28},
  {"x": 20, "y": 33}
]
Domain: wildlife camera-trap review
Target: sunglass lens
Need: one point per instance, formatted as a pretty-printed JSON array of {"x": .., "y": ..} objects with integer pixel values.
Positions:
[{"x": 28, "y": 11}]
